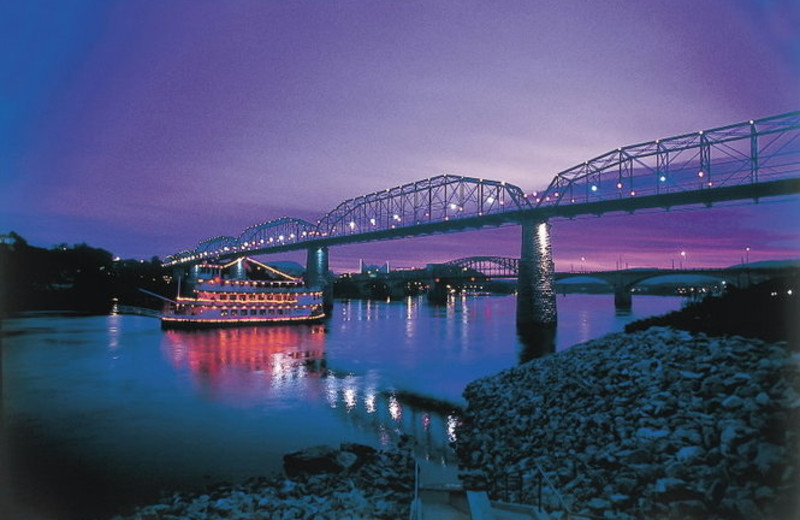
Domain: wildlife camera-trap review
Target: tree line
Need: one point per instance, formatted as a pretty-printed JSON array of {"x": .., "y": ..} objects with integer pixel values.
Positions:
[{"x": 75, "y": 277}]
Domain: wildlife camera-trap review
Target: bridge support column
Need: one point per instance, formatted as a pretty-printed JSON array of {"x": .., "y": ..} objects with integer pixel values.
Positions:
[
  {"x": 536, "y": 297},
  {"x": 317, "y": 275},
  {"x": 623, "y": 299}
]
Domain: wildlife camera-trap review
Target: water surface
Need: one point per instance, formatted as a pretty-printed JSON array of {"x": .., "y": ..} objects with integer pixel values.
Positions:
[{"x": 101, "y": 412}]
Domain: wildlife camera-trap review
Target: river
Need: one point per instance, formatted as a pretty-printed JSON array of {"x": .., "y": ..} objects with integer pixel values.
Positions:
[{"x": 102, "y": 412}]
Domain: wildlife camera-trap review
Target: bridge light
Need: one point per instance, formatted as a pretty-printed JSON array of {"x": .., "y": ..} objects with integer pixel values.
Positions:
[
  {"x": 700, "y": 173},
  {"x": 594, "y": 187},
  {"x": 280, "y": 238},
  {"x": 700, "y": 132},
  {"x": 619, "y": 185},
  {"x": 396, "y": 217},
  {"x": 453, "y": 206},
  {"x": 352, "y": 225},
  {"x": 752, "y": 122},
  {"x": 633, "y": 193},
  {"x": 372, "y": 221},
  {"x": 710, "y": 183},
  {"x": 663, "y": 178},
  {"x": 490, "y": 200},
  {"x": 555, "y": 194}
]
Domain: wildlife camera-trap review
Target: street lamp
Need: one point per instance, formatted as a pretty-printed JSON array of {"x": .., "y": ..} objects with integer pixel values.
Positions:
[
  {"x": 683, "y": 257},
  {"x": 747, "y": 255}
]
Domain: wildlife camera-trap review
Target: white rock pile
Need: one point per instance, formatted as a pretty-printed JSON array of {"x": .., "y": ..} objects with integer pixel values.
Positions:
[
  {"x": 656, "y": 424},
  {"x": 354, "y": 482}
]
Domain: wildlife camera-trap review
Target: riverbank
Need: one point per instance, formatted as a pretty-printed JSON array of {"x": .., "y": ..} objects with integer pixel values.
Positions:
[
  {"x": 320, "y": 483},
  {"x": 653, "y": 424}
]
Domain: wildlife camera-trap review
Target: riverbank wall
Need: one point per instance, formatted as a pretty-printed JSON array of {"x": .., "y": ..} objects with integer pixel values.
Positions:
[{"x": 655, "y": 424}]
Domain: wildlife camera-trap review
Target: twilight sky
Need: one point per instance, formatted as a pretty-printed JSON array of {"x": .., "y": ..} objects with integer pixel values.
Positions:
[{"x": 145, "y": 126}]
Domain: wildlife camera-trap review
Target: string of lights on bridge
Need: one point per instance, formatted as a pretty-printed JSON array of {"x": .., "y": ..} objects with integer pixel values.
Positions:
[{"x": 744, "y": 154}]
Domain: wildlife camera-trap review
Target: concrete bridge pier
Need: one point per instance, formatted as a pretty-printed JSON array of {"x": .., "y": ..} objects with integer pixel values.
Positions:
[
  {"x": 536, "y": 296},
  {"x": 317, "y": 275},
  {"x": 623, "y": 299}
]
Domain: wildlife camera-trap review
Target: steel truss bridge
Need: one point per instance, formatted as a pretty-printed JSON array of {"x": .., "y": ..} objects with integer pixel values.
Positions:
[
  {"x": 749, "y": 160},
  {"x": 625, "y": 279}
]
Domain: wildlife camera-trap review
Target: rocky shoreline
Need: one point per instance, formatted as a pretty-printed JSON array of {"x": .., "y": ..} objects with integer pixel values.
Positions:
[
  {"x": 655, "y": 424},
  {"x": 321, "y": 483}
]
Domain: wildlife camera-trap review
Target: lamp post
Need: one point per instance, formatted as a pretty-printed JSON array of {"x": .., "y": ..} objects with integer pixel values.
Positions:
[
  {"x": 683, "y": 257},
  {"x": 747, "y": 255}
]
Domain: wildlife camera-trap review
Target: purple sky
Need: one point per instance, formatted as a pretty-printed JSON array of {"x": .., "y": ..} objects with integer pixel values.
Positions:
[{"x": 144, "y": 127}]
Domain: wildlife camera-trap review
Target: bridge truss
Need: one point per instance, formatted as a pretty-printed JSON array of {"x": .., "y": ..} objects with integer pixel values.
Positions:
[
  {"x": 491, "y": 266},
  {"x": 747, "y": 160},
  {"x": 735, "y": 155}
]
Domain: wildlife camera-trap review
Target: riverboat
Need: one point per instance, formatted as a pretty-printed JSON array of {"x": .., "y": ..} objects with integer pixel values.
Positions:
[{"x": 243, "y": 292}]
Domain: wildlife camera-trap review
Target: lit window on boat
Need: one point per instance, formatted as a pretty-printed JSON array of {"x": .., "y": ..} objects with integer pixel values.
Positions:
[{"x": 234, "y": 312}]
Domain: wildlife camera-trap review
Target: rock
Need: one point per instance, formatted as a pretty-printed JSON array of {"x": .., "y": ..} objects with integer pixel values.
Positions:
[
  {"x": 346, "y": 459},
  {"x": 768, "y": 456},
  {"x": 598, "y": 504},
  {"x": 363, "y": 451},
  {"x": 317, "y": 459},
  {"x": 689, "y": 454},
  {"x": 688, "y": 509},
  {"x": 732, "y": 402},
  {"x": 650, "y": 433},
  {"x": 686, "y": 424},
  {"x": 635, "y": 456}
]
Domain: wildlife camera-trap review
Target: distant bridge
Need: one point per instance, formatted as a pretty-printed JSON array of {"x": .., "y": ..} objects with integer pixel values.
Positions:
[
  {"x": 478, "y": 270},
  {"x": 506, "y": 267},
  {"x": 744, "y": 161}
]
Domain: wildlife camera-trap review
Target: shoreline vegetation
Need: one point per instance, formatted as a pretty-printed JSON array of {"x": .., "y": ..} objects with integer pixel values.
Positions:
[{"x": 77, "y": 278}]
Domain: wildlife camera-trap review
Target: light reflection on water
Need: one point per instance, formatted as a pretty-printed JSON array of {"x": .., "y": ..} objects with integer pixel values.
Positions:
[{"x": 140, "y": 409}]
